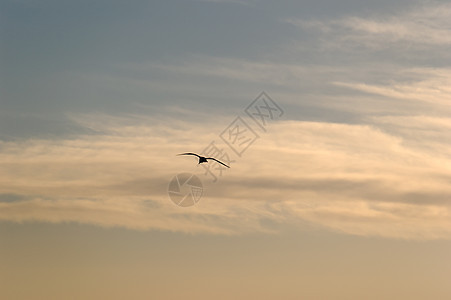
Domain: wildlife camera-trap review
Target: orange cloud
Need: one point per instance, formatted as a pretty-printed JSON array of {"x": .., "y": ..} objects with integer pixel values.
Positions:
[{"x": 354, "y": 179}]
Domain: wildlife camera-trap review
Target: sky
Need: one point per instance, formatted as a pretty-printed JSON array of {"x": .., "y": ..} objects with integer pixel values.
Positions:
[{"x": 339, "y": 188}]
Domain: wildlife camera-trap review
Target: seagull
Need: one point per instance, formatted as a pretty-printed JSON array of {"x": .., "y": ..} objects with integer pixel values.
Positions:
[{"x": 204, "y": 159}]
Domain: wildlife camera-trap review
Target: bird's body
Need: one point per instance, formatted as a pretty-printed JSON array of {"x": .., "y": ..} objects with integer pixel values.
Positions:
[{"x": 203, "y": 159}]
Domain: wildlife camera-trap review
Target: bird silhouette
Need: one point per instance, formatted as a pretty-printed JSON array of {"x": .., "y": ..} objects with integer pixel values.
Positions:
[{"x": 203, "y": 159}]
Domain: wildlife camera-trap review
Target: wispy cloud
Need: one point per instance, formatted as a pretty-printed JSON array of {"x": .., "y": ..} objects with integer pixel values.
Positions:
[
  {"x": 424, "y": 24},
  {"x": 281, "y": 74},
  {"x": 354, "y": 179},
  {"x": 419, "y": 84}
]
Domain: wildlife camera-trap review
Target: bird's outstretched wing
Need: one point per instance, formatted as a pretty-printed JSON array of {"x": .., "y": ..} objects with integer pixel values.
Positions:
[
  {"x": 189, "y": 153},
  {"x": 212, "y": 158}
]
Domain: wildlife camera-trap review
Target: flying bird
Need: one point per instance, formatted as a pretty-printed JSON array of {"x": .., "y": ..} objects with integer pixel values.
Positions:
[{"x": 204, "y": 159}]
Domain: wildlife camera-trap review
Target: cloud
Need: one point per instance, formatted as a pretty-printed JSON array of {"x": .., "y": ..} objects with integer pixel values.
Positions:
[
  {"x": 355, "y": 179},
  {"x": 427, "y": 24},
  {"x": 420, "y": 84},
  {"x": 278, "y": 74},
  {"x": 424, "y": 24}
]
